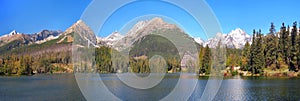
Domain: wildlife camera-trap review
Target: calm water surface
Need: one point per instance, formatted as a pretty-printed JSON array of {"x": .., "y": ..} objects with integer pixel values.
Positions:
[
  {"x": 63, "y": 87},
  {"x": 44, "y": 87}
]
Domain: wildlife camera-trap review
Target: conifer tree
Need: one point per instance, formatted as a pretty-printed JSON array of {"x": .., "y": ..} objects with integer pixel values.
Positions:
[
  {"x": 251, "y": 57},
  {"x": 282, "y": 45},
  {"x": 245, "y": 56},
  {"x": 259, "y": 57},
  {"x": 200, "y": 61},
  {"x": 271, "y": 48},
  {"x": 272, "y": 29},
  {"x": 206, "y": 63},
  {"x": 293, "y": 53},
  {"x": 219, "y": 56}
]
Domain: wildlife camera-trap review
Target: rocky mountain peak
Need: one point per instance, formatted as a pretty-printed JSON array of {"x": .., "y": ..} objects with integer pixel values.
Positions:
[
  {"x": 81, "y": 29},
  {"x": 157, "y": 20},
  {"x": 237, "y": 32},
  {"x": 14, "y": 32},
  {"x": 235, "y": 39},
  {"x": 114, "y": 36}
]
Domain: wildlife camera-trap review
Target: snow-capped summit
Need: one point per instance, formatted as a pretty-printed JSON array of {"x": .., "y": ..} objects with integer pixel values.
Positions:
[
  {"x": 79, "y": 21},
  {"x": 235, "y": 39},
  {"x": 114, "y": 36},
  {"x": 199, "y": 40},
  {"x": 111, "y": 39},
  {"x": 14, "y": 32},
  {"x": 237, "y": 31}
]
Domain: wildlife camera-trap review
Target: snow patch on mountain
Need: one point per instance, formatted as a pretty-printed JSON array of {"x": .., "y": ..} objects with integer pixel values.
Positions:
[
  {"x": 235, "y": 39},
  {"x": 51, "y": 37},
  {"x": 14, "y": 32},
  {"x": 199, "y": 40},
  {"x": 111, "y": 39}
]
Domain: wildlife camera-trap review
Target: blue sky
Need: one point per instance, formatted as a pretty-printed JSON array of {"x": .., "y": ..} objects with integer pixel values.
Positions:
[
  {"x": 30, "y": 16},
  {"x": 255, "y": 14}
]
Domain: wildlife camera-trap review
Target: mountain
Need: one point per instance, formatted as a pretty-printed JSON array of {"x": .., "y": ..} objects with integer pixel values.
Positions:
[
  {"x": 235, "y": 39},
  {"x": 80, "y": 30},
  {"x": 13, "y": 41},
  {"x": 14, "y": 32},
  {"x": 155, "y": 36},
  {"x": 143, "y": 28},
  {"x": 111, "y": 39},
  {"x": 45, "y": 35},
  {"x": 45, "y": 39}
]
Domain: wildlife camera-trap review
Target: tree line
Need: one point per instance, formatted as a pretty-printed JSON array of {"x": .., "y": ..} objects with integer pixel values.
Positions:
[
  {"x": 109, "y": 60},
  {"x": 26, "y": 64}
]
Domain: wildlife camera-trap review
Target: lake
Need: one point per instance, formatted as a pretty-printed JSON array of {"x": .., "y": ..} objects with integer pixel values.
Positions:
[{"x": 63, "y": 87}]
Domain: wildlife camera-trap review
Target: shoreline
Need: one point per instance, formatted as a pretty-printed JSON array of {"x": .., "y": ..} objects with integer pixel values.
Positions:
[{"x": 282, "y": 75}]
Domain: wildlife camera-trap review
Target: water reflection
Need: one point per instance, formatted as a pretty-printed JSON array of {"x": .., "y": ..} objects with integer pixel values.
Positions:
[
  {"x": 234, "y": 88},
  {"x": 63, "y": 87}
]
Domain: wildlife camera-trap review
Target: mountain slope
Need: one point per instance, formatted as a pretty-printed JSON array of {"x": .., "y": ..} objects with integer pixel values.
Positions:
[
  {"x": 158, "y": 35},
  {"x": 143, "y": 28},
  {"x": 14, "y": 41}
]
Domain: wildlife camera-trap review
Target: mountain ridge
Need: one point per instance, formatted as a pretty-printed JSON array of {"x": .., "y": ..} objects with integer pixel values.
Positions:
[{"x": 234, "y": 39}]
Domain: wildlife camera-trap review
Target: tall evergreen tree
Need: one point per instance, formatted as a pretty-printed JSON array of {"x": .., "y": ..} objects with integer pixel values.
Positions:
[
  {"x": 282, "y": 45},
  {"x": 288, "y": 45},
  {"x": 270, "y": 50},
  {"x": 200, "y": 61},
  {"x": 272, "y": 29},
  {"x": 245, "y": 56},
  {"x": 259, "y": 57},
  {"x": 219, "y": 55},
  {"x": 251, "y": 57},
  {"x": 293, "y": 53},
  {"x": 206, "y": 62}
]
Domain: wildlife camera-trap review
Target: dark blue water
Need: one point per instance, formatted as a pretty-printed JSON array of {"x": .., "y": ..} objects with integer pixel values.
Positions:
[
  {"x": 63, "y": 87},
  {"x": 57, "y": 87}
]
